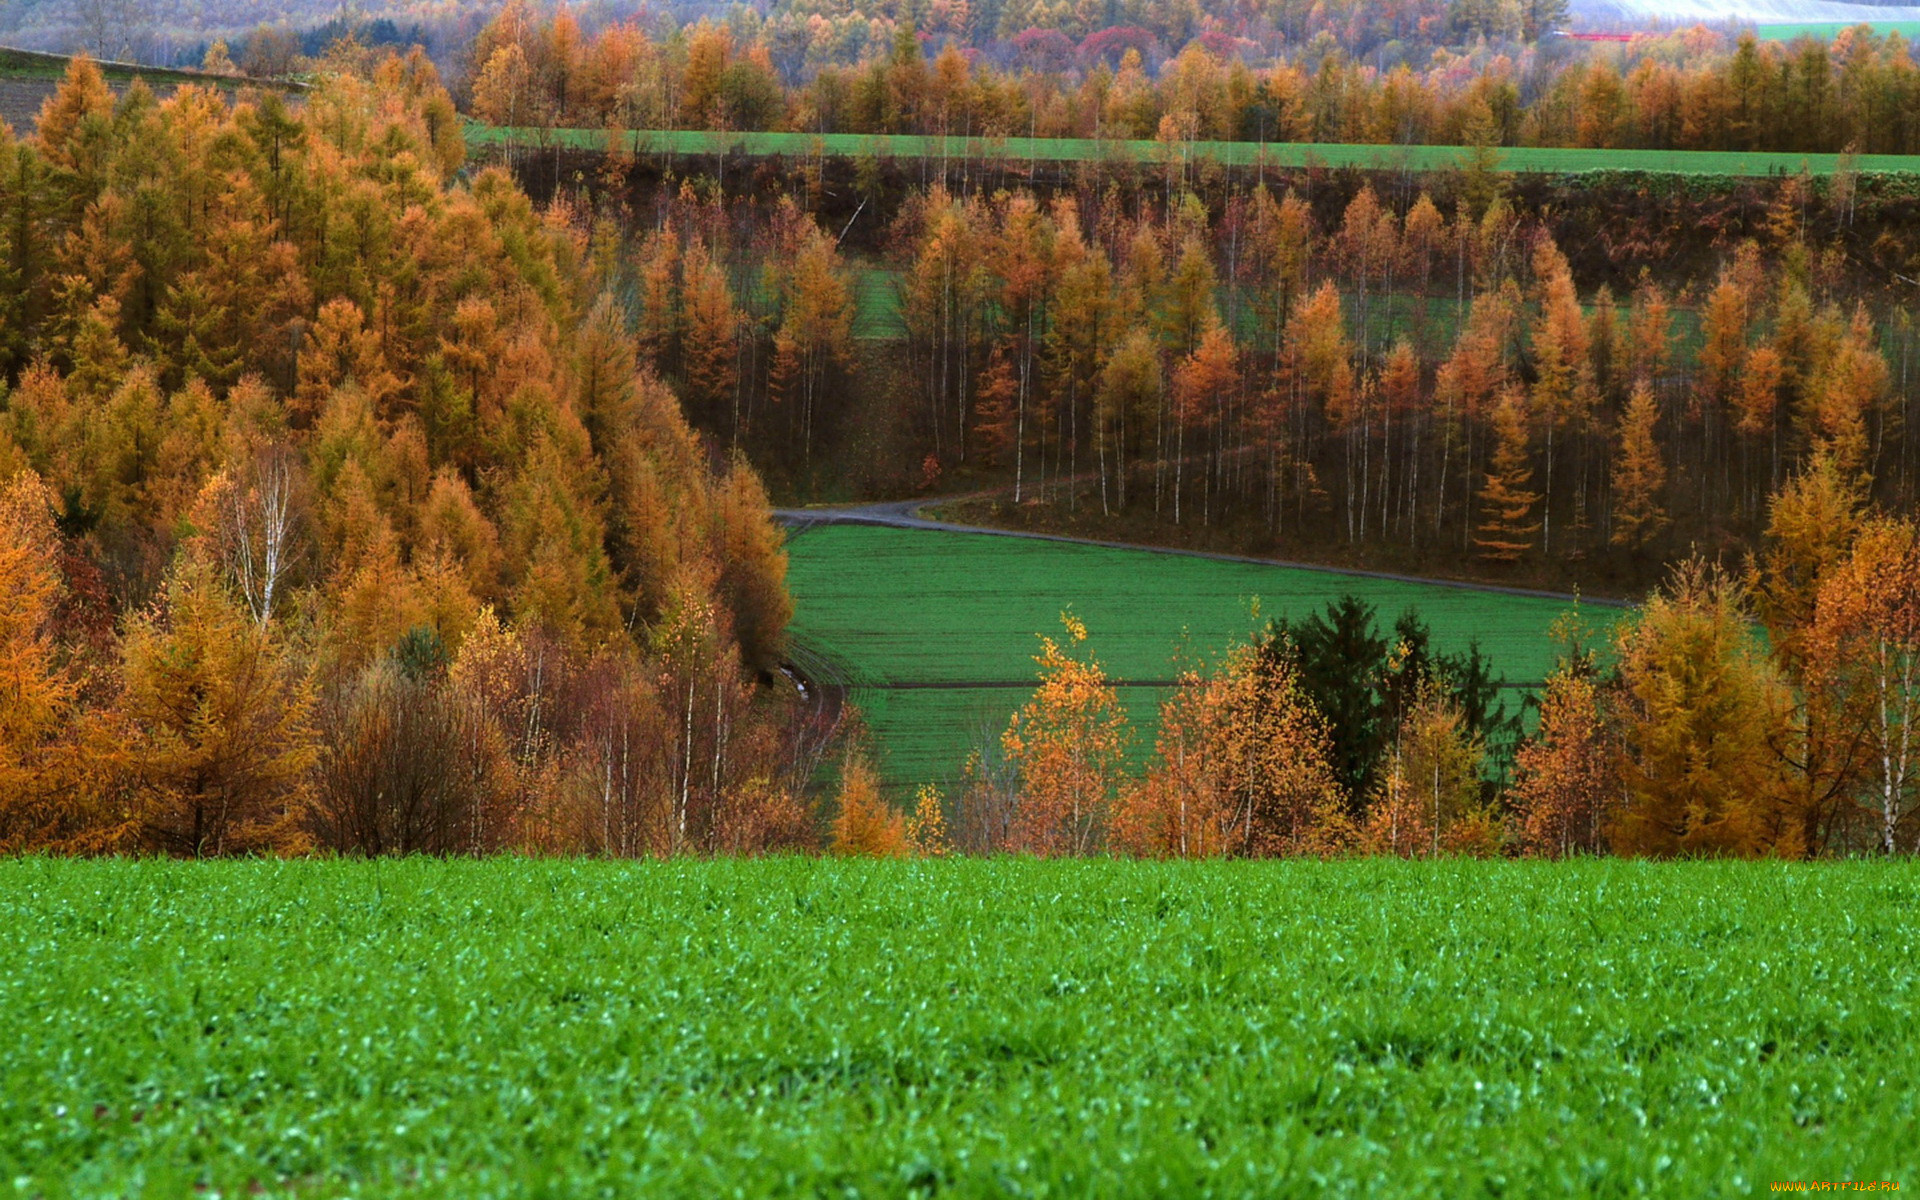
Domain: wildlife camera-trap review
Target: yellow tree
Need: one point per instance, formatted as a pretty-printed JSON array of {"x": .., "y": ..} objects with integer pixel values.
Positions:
[
  {"x": 1430, "y": 789},
  {"x": 866, "y": 826},
  {"x": 712, "y": 340},
  {"x": 1813, "y": 521},
  {"x": 1638, "y": 473},
  {"x": 1844, "y": 395},
  {"x": 1865, "y": 640},
  {"x": 1068, "y": 744},
  {"x": 42, "y": 805},
  {"x": 1201, "y": 384},
  {"x": 1758, "y": 396},
  {"x": 1702, "y": 712},
  {"x": 1473, "y": 376},
  {"x": 1242, "y": 766},
  {"x": 503, "y": 92},
  {"x": 1319, "y": 357},
  {"x": 1506, "y": 502},
  {"x": 1565, "y": 784},
  {"x": 748, "y": 545},
  {"x": 816, "y": 323},
  {"x": 1563, "y": 389},
  {"x": 927, "y": 829},
  {"x": 219, "y": 710},
  {"x": 1723, "y": 334},
  {"x": 63, "y": 126},
  {"x": 1127, "y": 393},
  {"x": 1650, "y": 332}
]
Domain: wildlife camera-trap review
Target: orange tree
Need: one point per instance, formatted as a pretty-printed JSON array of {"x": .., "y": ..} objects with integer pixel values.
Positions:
[{"x": 1068, "y": 744}]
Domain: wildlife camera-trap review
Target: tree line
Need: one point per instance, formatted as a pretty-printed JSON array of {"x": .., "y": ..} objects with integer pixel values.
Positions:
[
  {"x": 1387, "y": 377},
  {"x": 1693, "y": 90},
  {"x": 336, "y": 510}
]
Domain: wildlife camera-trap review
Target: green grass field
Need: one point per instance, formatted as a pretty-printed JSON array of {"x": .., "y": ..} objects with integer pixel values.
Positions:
[
  {"x": 974, "y": 1028},
  {"x": 1531, "y": 160},
  {"x": 935, "y": 631},
  {"x": 1828, "y": 30}
]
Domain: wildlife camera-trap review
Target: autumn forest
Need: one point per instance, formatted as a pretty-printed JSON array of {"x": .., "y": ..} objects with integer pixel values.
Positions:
[{"x": 368, "y": 492}]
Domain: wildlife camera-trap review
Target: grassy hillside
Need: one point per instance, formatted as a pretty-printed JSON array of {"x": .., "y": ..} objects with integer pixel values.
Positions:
[
  {"x": 33, "y": 64},
  {"x": 935, "y": 631},
  {"x": 1000, "y": 1027},
  {"x": 29, "y": 77},
  {"x": 1386, "y": 158}
]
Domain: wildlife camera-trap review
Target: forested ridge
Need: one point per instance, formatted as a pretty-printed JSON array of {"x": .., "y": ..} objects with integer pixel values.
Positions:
[
  {"x": 1695, "y": 89},
  {"x": 338, "y": 512}
]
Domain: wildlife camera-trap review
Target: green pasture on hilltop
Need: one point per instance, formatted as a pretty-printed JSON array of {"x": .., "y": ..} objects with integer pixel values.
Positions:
[
  {"x": 935, "y": 632},
  {"x": 36, "y": 64},
  {"x": 999, "y": 1027},
  {"x": 1828, "y": 30},
  {"x": 1012, "y": 150}
]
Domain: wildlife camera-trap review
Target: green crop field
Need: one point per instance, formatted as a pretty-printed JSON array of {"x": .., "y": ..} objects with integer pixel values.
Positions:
[
  {"x": 935, "y": 631},
  {"x": 971, "y": 1028},
  {"x": 1828, "y": 30},
  {"x": 1013, "y": 150}
]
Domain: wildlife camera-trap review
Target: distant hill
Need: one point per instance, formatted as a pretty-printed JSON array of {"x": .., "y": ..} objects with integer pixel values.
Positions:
[
  {"x": 1757, "y": 12},
  {"x": 175, "y": 32}
]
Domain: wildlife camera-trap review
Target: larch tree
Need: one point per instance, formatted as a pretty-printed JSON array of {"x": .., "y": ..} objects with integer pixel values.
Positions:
[
  {"x": 353, "y": 401},
  {"x": 1650, "y": 332},
  {"x": 927, "y": 835},
  {"x": 1126, "y": 396},
  {"x": 1507, "y": 501},
  {"x": 996, "y": 418},
  {"x": 1811, "y": 526},
  {"x": 943, "y": 305},
  {"x": 1701, "y": 713},
  {"x": 816, "y": 326},
  {"x": 662, "y": 318},
  {"x": 712, "y": 340},
  {"x": 1320, "y": 358},
  {"x": 1723, "y": 337},
  {"x": 1200, "y": 384},
  {"x": 1639, "y": 474},
  {"x": 1021, "y": 256},
  {"x": 39, "y": 697},
  {"x": 865, "y": 825},
  {"x": 221, "y": 715},
  {"x": 1080, "y": 336},
  {"x": 753, "y": 566},
  {"x": 1845, "y": 396},
  {"x": 1563, "y": 390}
]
